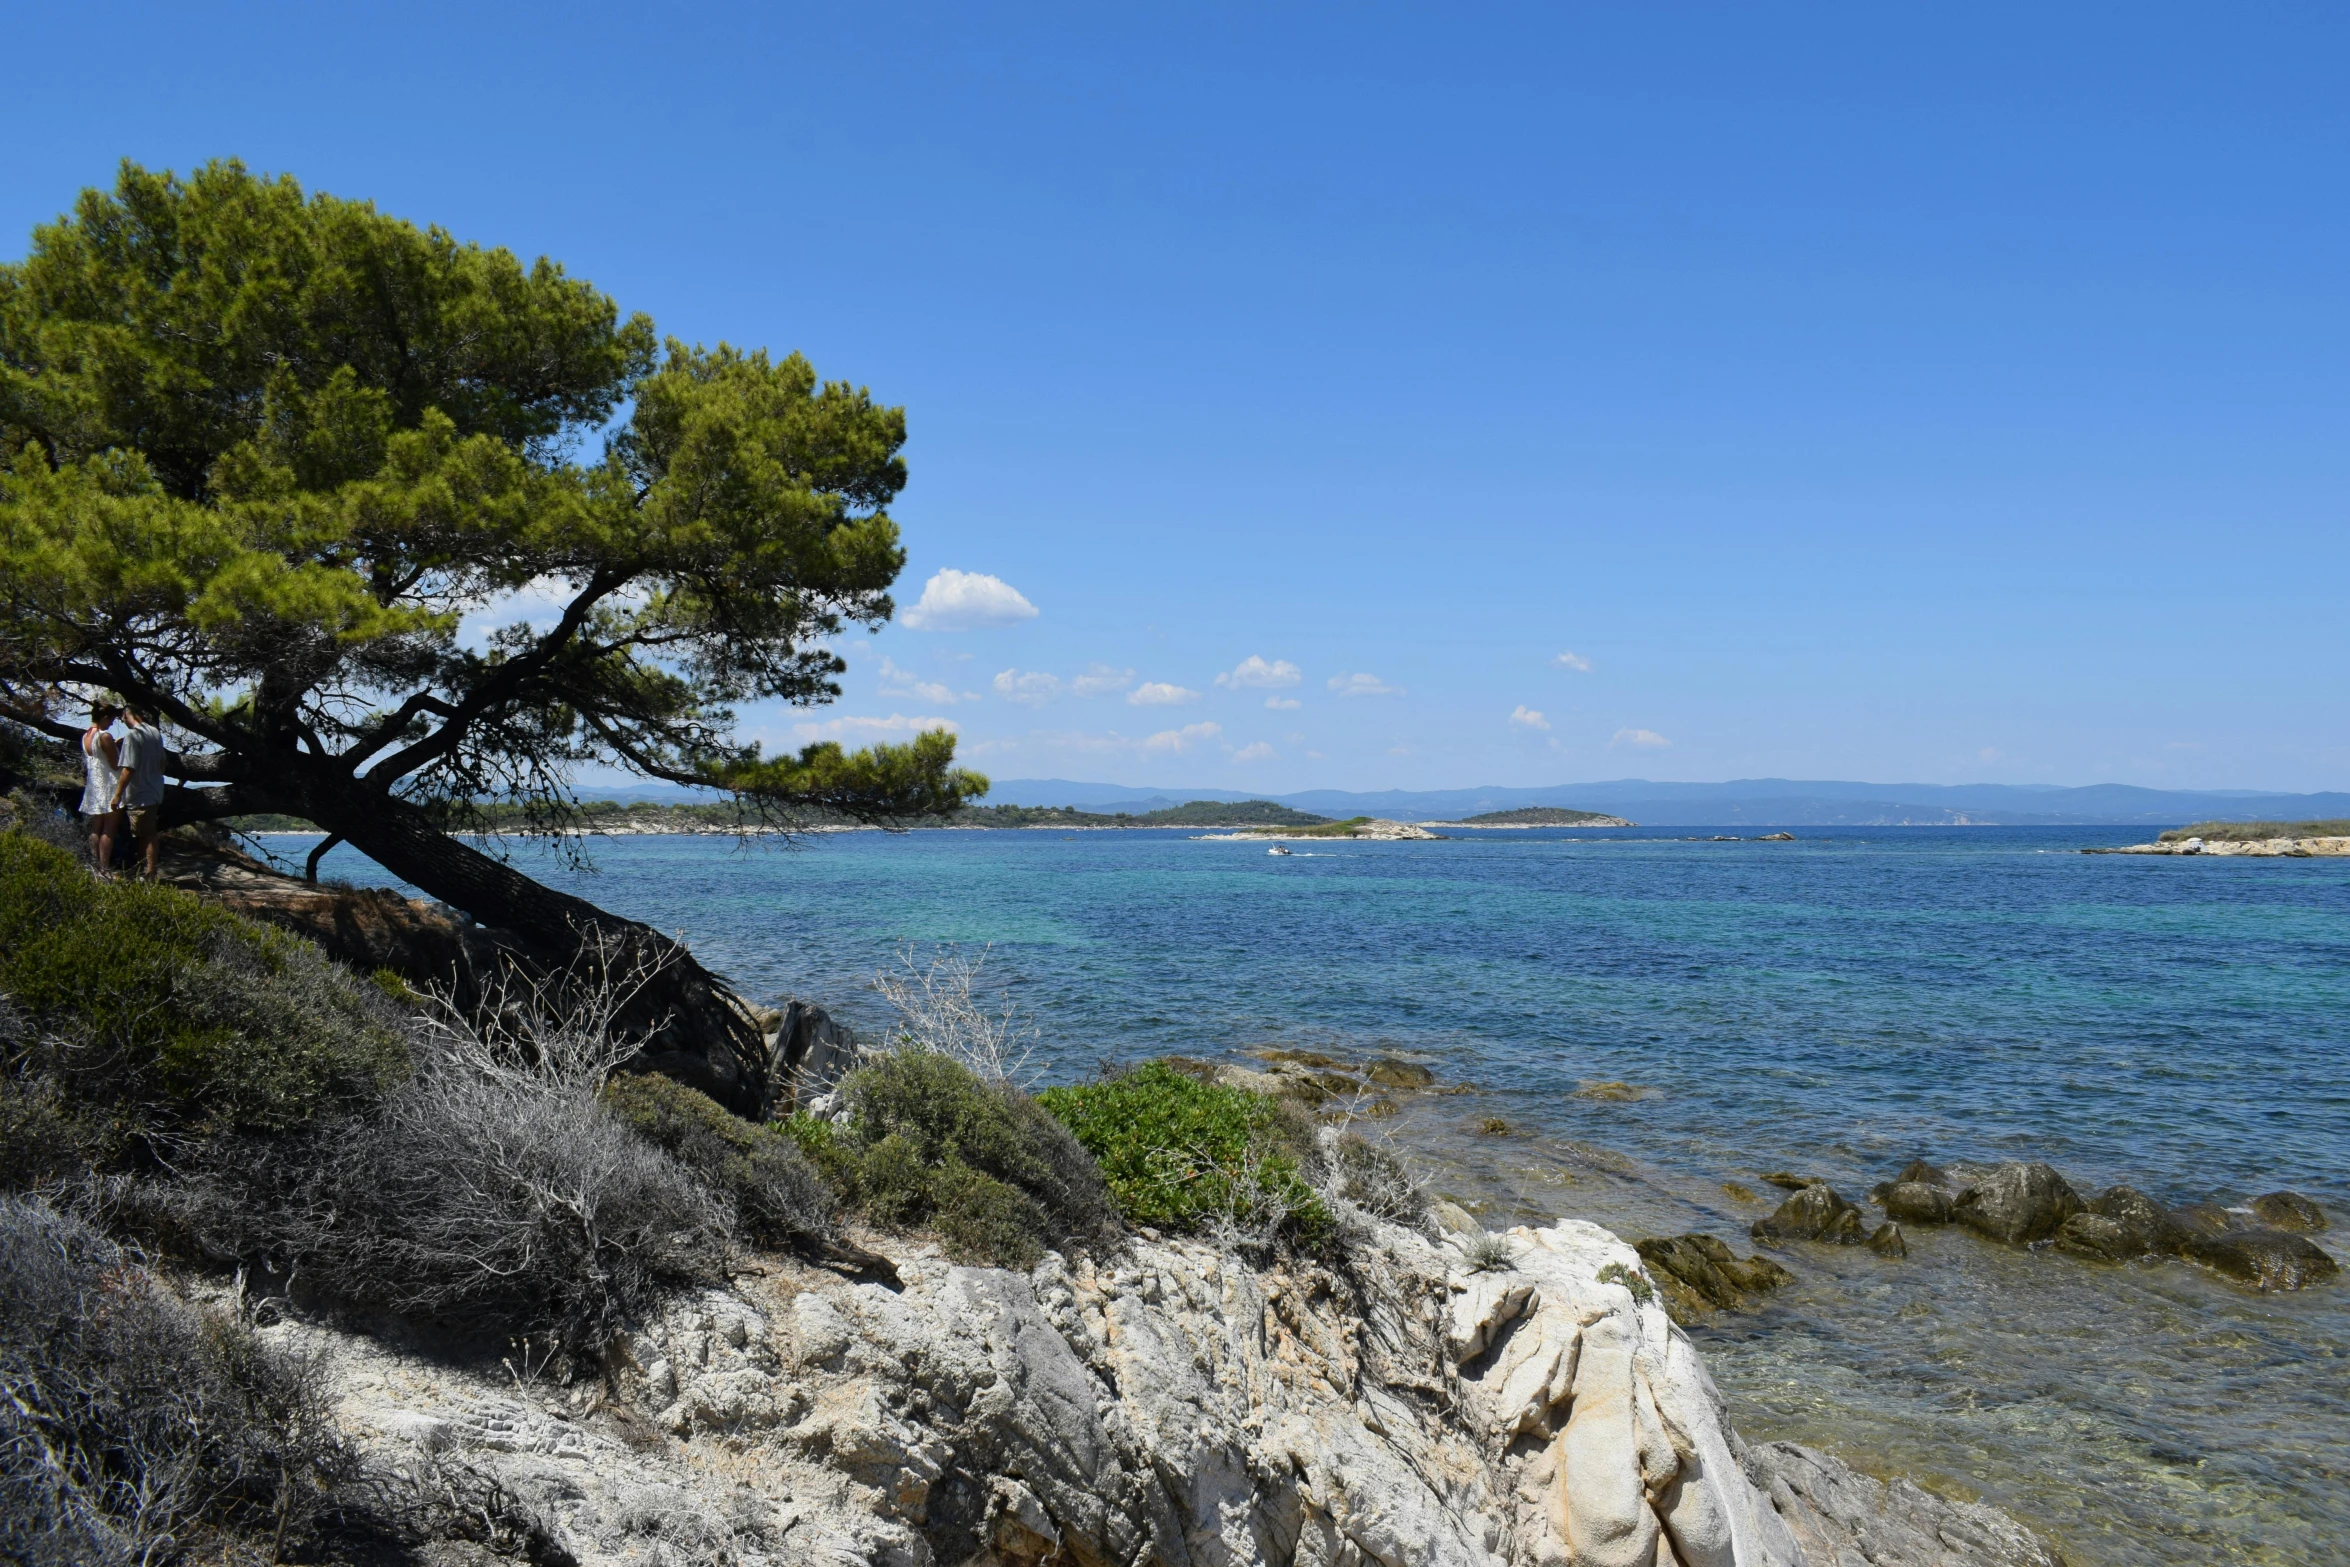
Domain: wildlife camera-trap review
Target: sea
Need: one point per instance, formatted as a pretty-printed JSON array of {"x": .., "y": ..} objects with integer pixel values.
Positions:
[{"x": 1660, "y": 1018}]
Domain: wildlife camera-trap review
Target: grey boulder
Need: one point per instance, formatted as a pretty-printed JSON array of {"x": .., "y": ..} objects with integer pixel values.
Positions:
[
  {"x": 2145, "y": 1225},
  {"x": 2017, "y": 1203},
  {"x": 2094, "y": 1235},
  {"x": 1915, "y": 1202},
  {"x": 1815, "y": 1213}
]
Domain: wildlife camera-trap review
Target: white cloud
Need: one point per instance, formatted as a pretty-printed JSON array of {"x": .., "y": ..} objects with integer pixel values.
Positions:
[
  {"x": 904, "y": 682},
  {"x": 1253, "y": 753},
  {"x": 1648, "y": 739},
  {"x": 1254, "y": 671},
  {"x": 538, "y": 603},
  {"x": 1030, "y": 688},
  {"x": 870, "y": 728},
  {"x": 1527, "y": 718},
  {"x": 1363, "y": 685},
  {"x": 1160, "y": 693},
  {"x": 1100, "y": 680},
  {"x": 1181, "y": 740},
  {"x": 1574, "y": 661},
  {"x": 961, "y": 600},
  {"x": 1282, "y": 704}
]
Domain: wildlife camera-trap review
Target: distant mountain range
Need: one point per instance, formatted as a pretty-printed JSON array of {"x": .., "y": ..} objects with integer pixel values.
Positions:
[{"x": 1752, "y": 802}]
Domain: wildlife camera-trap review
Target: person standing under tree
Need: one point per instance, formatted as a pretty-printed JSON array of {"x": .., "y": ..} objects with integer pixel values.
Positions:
[
  {"x": 101, "y": 772},
  {"x": 141, "y": 785}
]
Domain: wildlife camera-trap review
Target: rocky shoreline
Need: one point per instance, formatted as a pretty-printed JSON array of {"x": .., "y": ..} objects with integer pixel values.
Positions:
[
  {"x": 2264, "y": 1244},
  {"x": 2255, "y": 848},
  {"x": 1477, "y": 1402}
]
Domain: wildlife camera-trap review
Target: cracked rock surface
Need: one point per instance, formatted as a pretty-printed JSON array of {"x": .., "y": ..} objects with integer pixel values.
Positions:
[{"x": 1169, "y": 1405}]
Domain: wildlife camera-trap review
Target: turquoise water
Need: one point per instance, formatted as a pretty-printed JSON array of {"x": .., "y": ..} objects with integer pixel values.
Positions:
[{"x": 1836, "y": 1005}]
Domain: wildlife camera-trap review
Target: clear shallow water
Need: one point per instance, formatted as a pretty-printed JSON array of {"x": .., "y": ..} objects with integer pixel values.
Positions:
[{"x": 1835, "y": 1005}]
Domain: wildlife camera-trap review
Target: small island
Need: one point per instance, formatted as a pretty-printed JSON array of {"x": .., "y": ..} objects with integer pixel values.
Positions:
[
  {"x": 2257, "y": 840},
  {"x": 1376, "y": 829},
  {"x": 1538, "y": 816}
]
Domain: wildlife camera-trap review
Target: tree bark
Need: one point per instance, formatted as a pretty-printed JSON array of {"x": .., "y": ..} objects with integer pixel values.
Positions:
[{"x": 696, "y": 1029}]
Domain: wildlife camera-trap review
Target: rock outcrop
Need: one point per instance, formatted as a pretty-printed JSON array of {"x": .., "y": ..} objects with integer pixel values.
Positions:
[
  {"x": 2017, "y": 1203},
  {"x": 2258, "y": 848},
  {"x": 1699, "y": 1273},
  {"x": 1171, "y": 1405}
]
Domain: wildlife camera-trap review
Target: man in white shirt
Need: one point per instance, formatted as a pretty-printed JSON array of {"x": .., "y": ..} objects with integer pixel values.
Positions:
[{"x": 141, "y": 783}]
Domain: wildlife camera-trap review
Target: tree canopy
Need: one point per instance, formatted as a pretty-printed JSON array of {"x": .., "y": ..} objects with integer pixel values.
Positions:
[{"x": 265, "y": 449}]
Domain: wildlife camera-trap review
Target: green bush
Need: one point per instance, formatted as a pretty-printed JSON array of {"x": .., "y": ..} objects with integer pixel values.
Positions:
[
  {"x": 148, "y": 1004},
  {"x": 929, "y": 1144},
  {"x": 1186, "y": 1155},
  {"x": 759, "y": 1169}
]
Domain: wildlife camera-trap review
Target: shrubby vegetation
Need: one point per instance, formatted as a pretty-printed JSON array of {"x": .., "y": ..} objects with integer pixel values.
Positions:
[
  {"x": 927, "y": 1142},
  {"x": 153, "y": 1016},
  {"x": 223, "y": 1094},
  {"x": 778, "y": 1197},
  {"x": 1186, "y": 1155}
]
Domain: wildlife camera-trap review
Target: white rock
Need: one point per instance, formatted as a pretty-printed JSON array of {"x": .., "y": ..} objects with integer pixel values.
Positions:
[{"x": 1175, "y": 1407}]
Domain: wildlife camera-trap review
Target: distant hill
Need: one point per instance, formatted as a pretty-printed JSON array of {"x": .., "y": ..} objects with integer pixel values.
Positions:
[
  {"x": 1757, "y": 802},
  {"x": 1543, "y": 816}
]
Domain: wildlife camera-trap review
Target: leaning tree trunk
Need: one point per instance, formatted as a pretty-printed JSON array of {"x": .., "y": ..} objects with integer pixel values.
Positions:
[{"x": 696, "y": 1028}]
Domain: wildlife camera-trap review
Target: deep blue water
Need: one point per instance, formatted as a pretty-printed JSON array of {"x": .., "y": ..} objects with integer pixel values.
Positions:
[{"x": 1836, "y": 1005}]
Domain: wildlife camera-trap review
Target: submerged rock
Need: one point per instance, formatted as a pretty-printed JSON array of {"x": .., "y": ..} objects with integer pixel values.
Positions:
[
  {"x": 1699, "y": 1272},
  {"x": 2145, "y": 1225},
  {"x": 1888, "y": 1241},
  {"x": 2266, "y": 1259},
  {"x": 1915, "y": 1202},
  {"x": 1815, "y": 1213},
  {"x": 2288, "y": 1211},
  {"x": 1388, "y": 1072},
  {"x": 1843, "y": 1519},
  {"x": 2095, "y": 1235},
  {"x": 2017, "y": 1203},
  {"x": 1919, "y": 1170}
]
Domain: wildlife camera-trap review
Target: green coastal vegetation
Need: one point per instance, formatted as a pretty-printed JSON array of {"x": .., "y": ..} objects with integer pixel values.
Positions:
[
  {"x": 2256, "y": 832},
  {"x": 1541, "y": 816}
]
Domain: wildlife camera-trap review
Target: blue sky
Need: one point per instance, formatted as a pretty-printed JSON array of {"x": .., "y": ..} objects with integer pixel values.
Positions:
[{"x": 1940, "y": 394}]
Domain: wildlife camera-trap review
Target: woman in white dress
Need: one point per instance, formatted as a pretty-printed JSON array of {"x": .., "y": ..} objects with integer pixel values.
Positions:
[{"x": 101, "y": 770}]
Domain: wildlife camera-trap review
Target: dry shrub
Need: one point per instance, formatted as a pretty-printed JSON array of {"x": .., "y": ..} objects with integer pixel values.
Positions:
[
  {"x": 494, "y": 1191},
  {"x": 940, "y": 1013},
  {"x": 134, "y": 1424}
]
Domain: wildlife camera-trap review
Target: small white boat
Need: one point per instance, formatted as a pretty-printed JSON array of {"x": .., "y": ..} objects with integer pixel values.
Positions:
[{"x": 1277, "y": 849}]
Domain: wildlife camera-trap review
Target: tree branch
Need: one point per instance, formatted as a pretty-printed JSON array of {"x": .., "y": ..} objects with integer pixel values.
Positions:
[{"x": 500, "y": 686}]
